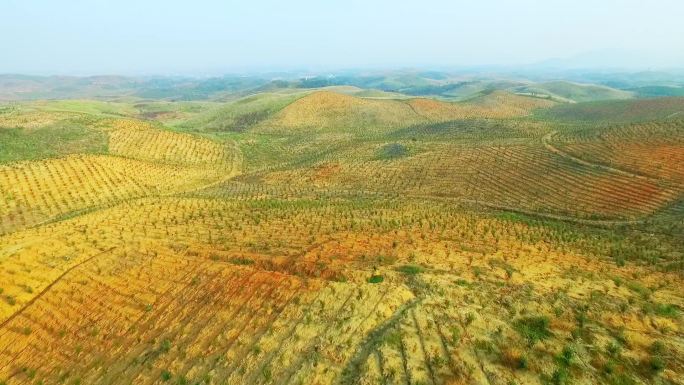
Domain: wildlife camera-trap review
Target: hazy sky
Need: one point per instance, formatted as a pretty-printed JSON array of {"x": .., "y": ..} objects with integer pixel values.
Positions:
[{"x": 212, "y": 36}]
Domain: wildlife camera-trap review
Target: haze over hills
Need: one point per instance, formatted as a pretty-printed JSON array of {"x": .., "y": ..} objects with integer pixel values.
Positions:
[{"x": 567, "y": 86}]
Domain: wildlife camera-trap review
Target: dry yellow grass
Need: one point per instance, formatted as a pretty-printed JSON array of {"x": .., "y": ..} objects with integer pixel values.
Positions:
[
  {"x": 160, "y": 285},
  {"x": 142, "y": 141},
  {"x": 498, "y": 104},
  {"x": 40, "y": 190},
  {"x": 347, "y": 257},
  {"x": 522, "y": 176},
  {"x": 149, "y": 162},
  {"x": 329, "y": 110},
  {"x": 34, "y": 119}
]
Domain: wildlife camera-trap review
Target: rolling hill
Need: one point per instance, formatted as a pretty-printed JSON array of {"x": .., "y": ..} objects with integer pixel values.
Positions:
[
  {"x": 622, "y": 111},
  {"x": 328, "y": 111},
  {"x": 573, "y": 92},
  {"x": 341, "y": 235}
]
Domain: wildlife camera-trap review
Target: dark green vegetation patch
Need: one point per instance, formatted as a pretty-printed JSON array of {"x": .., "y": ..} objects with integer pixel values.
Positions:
[
  {"x": 410, "y": 269},
  {"x": 392, "y": 151},
  {"x": 376, "y": 279},
  {"x": 533, "y": 328}
]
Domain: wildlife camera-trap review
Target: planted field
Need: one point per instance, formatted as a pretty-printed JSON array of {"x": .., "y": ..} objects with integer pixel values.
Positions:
[
  {"x": 38, "y": 191},
  {"x": 303, "y": 237},
  {"x": 141, "y": 141},
  {"x": 245, "y": 294},
  {"x": 148, "y": 162},
  {"x": 623, "y": 111},
  {"x": 328, "y": 110},
  {"x": 521, "y": 175},
  {"x": 655, "y": 150}
]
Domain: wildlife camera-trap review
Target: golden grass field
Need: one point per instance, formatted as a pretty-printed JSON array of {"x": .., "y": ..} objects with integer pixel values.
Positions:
[{"x": 334, "y": 239}]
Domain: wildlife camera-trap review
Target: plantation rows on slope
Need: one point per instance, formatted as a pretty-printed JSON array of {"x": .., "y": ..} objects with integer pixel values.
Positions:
[
  {"x": 314, "y": 291},
  {"x": 148, "y": 161},
  {"x": 652, "y": 149},
  {"x": 320, "y": 238}
]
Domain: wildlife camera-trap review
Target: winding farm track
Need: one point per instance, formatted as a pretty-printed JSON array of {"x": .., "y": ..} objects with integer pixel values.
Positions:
[
  {"x": 546, "y": 140},
  {"x": 236, "y": 170},
  {"x": 557, "y": 217},
  {"x": 351, "y": 371},
  {"x": 48, "y": 287}
]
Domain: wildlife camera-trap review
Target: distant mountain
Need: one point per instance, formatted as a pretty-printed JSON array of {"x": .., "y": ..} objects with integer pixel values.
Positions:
[{"x": 573, "y": 92}]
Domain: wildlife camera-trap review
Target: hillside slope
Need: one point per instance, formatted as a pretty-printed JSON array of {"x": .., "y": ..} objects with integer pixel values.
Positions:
[
  {"x": 330, "y": 111},
  {"x": 323, "y": 238},
  {"x": 574, "y": 92}
]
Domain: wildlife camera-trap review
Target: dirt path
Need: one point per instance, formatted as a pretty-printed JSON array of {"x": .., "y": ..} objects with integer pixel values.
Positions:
[
  {"x": 350, "y": 373},
  {"x": 546, "y": 140},
  {"x": 558, "y": 217},
  {"x": 235, "y": 170},
  {"x": 48, "y": 287}
]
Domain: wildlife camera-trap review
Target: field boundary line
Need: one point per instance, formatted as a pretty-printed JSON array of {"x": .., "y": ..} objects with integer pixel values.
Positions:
[
  {"x": 47, "y": 288},
  {"x": 350, "y": 372},
  {"x": 546, "y": 140},
  {"x": 234, "y": 172}
]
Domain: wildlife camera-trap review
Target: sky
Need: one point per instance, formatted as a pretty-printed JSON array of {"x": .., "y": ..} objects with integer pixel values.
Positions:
[{"x": 197, "y": 37}]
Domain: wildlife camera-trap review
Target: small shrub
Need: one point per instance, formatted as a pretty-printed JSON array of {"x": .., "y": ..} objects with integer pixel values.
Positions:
[
  {"x": 410, "y": 269},
  {"x": 514, "y": 358},
  {"x": 470, "y": 317},
  {"x": 560, "y": 376},
  {"x": 524, "y": 363},
  {"x": 266, "y": 373},
  {"x": 533, "y": 328},
  {"x": 666, "y": 310},
  {"x": 392, "y": 151},
  {"x": 565, "y": 357},
  {"x": 241, "y": 261},
  {"x": 581, "y": 318},
  {"x": 657, "y": 347},
  {"x": 438, "y": 361},
  {"x": 613, "y": 349},
  {"x": 376, "y": 279},
  {"x": 657, "y": 363},
  {"x": 455, "y": 335},
  {"x": 166, "y": 375},
  {"x": 639, "y": 289},
  {"x": 165, "y": 346}
]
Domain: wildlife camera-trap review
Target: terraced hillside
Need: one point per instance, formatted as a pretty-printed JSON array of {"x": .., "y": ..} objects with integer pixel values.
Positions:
[
  {"x": 327, "y": 110},
  {"x": 140, "y": 161},
  {"x": 325, "y": 238},
  {"x": 651, "y": 150}
]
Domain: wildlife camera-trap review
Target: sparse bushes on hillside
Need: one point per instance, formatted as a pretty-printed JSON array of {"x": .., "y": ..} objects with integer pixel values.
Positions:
[{"x": 533, "y": 328}]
